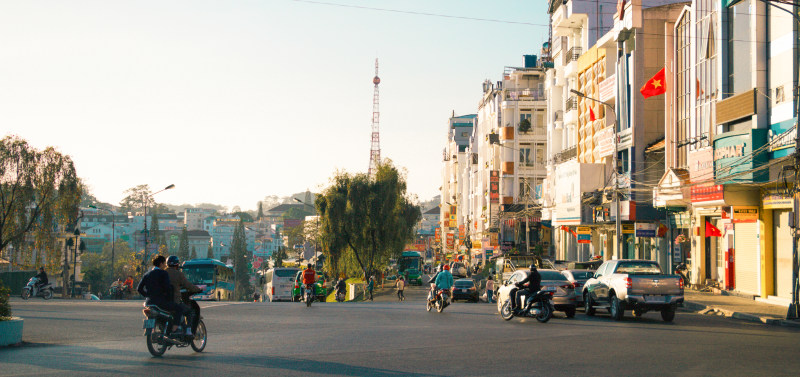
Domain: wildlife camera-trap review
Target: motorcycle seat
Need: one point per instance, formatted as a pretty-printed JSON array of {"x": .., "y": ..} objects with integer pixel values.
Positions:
[{"x": 157, "y": 310}]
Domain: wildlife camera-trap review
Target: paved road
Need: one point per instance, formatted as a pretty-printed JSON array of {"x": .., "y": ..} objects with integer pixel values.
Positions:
[{"x": 391, "y": 339}]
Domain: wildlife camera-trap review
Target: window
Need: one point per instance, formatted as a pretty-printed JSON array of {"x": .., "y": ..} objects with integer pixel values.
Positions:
[
  {"x": 601, "y": 271},
  {"x": 525, "y": 158},
  {"x": 739, "y": 46},
  {"x": 779, "y": 95}
]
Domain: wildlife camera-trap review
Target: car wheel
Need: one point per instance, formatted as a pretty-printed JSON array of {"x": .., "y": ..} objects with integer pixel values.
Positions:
[
  {"x": 668, "y": 313},
  {"x": 638, "y": 313},
  {"x": 616, "y": 308},
  {"x": 570, "y": 312},
  {"x": 588, "y": 305}
]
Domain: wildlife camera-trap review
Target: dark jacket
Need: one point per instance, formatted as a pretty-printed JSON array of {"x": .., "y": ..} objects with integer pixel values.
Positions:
[
  {"x": 178, "y": 280},
  {"x": 533, "y": 283},
  {"x": 155, "y": 287},
  {"x": 340, "y": 285},
  {"x": 42, "y": 276}
]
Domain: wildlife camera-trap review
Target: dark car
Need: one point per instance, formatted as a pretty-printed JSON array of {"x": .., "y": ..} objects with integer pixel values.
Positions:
[
  {"x": 464, "y": 289},
  {"x": 578, "y": 278}
]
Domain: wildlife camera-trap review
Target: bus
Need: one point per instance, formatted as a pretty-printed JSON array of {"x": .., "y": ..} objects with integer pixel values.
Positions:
[
  {"x": 410, "y": 265},
  {"x": 215, "y": 275},
  {"x": 278, "y": 283}
]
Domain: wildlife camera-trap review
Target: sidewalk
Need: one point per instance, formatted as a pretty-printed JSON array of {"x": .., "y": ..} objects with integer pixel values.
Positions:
[{"x": 737, "y": 307}]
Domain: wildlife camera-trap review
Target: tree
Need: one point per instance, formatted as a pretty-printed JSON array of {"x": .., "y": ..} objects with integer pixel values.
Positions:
[
  {"x": 296, "y": 235},
  {"x": 39, "y": 196},
  {"x": 5, "y": 308},
  {"x": 241, "y": 258},
  {"x": 183, "y": 250},
  {"x": 244, "y": 216},
  {"x": 193, "y": 254},
  {"x": 135, "y": 198},
  {"x": 296, "y": 213},
  {"x": 365, "y": 220},
  {"x": 97, "y": 271},
  {"x": 260, "y": 211},
  {"x": 279, "y": 256}
]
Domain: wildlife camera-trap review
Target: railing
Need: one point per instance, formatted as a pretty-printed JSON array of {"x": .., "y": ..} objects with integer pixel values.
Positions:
[
  {"x": 525, "y": 95},
  {"x": 564, "y": 155},
  {"x": 572, "y": 55},
  {"x": 571, "y": 104}
]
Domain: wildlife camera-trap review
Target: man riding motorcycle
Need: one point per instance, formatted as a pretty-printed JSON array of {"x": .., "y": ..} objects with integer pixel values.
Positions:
[
  {"x": 42, "y": 276},
  {"x": 444, "y": 279},
  {"x": 340, "y": 286},
  {"x": 528, "y": 286},
  {"x": 178, "y": 280},
  {"x": 309, "y": 278},
  {"x": 155, "y": 286}
]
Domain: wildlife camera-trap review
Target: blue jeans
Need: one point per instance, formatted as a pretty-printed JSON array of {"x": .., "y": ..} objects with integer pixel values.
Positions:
[{"x": 490, "y": 296}]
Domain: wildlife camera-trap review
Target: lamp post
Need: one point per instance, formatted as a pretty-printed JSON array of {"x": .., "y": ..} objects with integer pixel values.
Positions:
[
  {"x": 113, "y": 236},
  {"x": 615, "y": 163},
  {"x": 144, "y": 227},
  {"x": 316, "y": 233}
]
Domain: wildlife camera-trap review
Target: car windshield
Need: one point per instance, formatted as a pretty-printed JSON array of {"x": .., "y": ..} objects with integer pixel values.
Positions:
[
  {"x": 464, "y": 284},
  {"x": 638, "y": 268},
  {"x": 285, "y": 273},
  {"x": 552, "y": 275},
  {"x": 581, "y": 274}
]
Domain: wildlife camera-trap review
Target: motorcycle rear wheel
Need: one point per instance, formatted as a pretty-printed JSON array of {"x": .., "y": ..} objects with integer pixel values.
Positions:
[
  {"x": 155, "y": 345},
  {"x": 308, "y": 300},
  {"x": 546, "y": 312},
  {"x": 428, "y": 305},
  {"x": 48, "y": 294},
  {"x": 199, "y": 342},
  {"x": 26, "y": 293},
  {"x": 506, "y": 312},
  {"x": 439, "y": 304}
]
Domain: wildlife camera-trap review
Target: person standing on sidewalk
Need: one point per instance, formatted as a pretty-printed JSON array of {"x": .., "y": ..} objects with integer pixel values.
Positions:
[
  {"x": 401, "y": 284},
  {"x": 370, "y": 286},
  {"x": 490, "y": 290}
]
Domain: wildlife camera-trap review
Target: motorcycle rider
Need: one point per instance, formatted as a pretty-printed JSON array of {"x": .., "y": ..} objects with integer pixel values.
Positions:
[
  {"x": 531, "y": 284},
  {"x": 155, "y": 286},
  {"x": 128, "y": 284},
  {"x": 340, "y": 286},
  {"x": 309, "y": 278},
  {"x": 42, "y": 276},
  {"x": 432, "y": 292},
  {"x": 178, "y": 280},
  {"x": 444, "y": 279}
]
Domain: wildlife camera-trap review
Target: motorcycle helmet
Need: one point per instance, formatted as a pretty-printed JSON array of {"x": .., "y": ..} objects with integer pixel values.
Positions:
[
  {"x": 309, "y": 265},
  {"x": 173, "y": 261},
  {"x": 446, "y": 267},
  {"x": 533, "y": 267}
]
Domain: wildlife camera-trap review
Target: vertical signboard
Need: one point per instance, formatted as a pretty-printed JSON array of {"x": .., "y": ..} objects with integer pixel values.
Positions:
[{"x": 494, "y": 186}]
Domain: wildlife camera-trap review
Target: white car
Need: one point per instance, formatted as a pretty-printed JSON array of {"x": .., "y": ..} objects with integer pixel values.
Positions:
[
  {"x": 458, "y": 269},
  {"x": 564, "y": 297}
]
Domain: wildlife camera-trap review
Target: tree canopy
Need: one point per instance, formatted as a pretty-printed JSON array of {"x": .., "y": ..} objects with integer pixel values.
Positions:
[
  {"x": 241, "y": 257},
  {"x": 364, "y": 222}
]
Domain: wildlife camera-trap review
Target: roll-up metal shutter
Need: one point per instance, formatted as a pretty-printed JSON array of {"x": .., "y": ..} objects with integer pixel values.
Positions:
[
  {"x": 747, "y": 262},
  {"x": 782, "y": 244}
]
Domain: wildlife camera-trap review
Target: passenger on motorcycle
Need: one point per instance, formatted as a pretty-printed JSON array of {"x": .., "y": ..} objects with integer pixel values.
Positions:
[
  {"x": 432, "y": 292},
  {"x": 444, "y": 279},
  {"x": 178, "y": 280},
  {"x": 528, "y": 286},
  {"x": 42, "y": 276},
  {"x": 155, "y": 286},
  {"x": 309, "y": 278},
  {"x": 128, "y": 284}
]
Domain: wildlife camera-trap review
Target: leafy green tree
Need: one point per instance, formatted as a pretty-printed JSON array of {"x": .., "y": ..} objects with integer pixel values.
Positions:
[
  {"x": 297, "y": 235},
  {"x": 97, "y": 271},
  {"x": 366, "y": 221},
  {"x": 135, "y": 198},
  {"x": 278, "y": 256},
  {"x": 296, "y": 213},
  {"x": 183, "y": 250},
  {"x": 241, "y": 258},
  {"x": 40, "y": 193},
  {"x": 5, "y": 308}
]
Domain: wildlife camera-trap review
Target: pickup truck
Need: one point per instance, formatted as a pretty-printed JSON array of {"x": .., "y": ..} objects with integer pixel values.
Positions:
[{"x": 629, "y": 284}]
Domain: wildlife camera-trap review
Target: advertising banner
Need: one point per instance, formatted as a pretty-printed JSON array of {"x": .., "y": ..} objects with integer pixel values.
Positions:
[
  {"x": 708, "y": 193},
  {"x": 461, "y": 232},
  {"x": 628, "y": 228},
  {"x": 645, "y": 230},
  {"x": 584, "y": 234},
  {"x": 438, "y": 235},
  {"x": 745, "y": 214},
  {"x": 450, "y": 240},
  {"x": 494, "y": 186},
  {"x": 605, "y": 141}
]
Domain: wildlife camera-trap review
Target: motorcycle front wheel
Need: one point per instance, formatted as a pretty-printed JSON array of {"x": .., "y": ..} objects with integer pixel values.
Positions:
[
  {"x": 546, "y": 312},
  {"x": 428, "y": 305},
  {"x": 26, "y": 293},
  {"x": 48, "y": 294},
  {"x": 308, "y": 300},
  {"x": 200, "y": 337},
  {"x": 155, "y": 344},
  {"x": 439, "y": 304},
  {"x": 506, "y": 312}
]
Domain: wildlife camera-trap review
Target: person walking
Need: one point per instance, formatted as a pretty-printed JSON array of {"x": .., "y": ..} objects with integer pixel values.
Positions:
[
  {"x": 490, "y": 290},
  {"x": 370, "y": 286},
  {"x": 401, "y": 284}
]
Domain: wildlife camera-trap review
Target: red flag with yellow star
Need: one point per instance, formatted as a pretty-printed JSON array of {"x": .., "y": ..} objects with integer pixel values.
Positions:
[{"x": 655, "y": 86}]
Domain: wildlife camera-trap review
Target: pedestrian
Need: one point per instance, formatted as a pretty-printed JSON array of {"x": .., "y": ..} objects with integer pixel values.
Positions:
[
  {"x": 490, "y": 290},
  {"x": 370, "y": 286},
  {"x": 401, "y": 284}
]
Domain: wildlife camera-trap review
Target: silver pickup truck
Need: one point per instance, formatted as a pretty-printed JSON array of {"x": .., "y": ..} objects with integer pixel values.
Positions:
[{"x": 637, "y": 285}]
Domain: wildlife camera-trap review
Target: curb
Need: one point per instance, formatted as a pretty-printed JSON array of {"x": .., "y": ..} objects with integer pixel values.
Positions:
[{"x": 705, "y": 309}]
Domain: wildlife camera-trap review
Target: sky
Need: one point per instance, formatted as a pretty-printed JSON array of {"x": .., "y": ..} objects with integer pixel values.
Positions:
[{"x": 236, "y": 100}]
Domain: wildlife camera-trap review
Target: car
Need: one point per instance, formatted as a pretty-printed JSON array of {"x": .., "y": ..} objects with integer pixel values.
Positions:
[
  {"x": 465, "y": 289},
  {"x": 589, "y": 265},
  {"x": 633, "y": 284},
  {"x": 319, "y": 287},
  {"x": 560, "y": 264},
  {"x": 564, "y": 298},
  {"x": 578, "y": 278},
  {"x": 458, "y": 269}
]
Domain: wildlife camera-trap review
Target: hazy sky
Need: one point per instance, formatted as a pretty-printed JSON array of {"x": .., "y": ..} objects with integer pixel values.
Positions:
[{"x": 235, "y": 100}]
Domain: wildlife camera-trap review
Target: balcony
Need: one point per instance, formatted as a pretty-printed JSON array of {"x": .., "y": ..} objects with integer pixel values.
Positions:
[
  {"x": 571, "y": 104},
  {"x": 564, "y": 155},
  {"x": 572, "y": 55},
  {"x": 525, "y": 95}
]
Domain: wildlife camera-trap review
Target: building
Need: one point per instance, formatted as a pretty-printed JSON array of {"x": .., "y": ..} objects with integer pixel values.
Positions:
[{"x": 454, "y": 184}]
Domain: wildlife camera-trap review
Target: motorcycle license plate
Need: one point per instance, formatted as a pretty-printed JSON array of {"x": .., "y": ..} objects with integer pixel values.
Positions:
[
  {"x": 149, "y": 323},
  {"x": 549, "y": 289}
]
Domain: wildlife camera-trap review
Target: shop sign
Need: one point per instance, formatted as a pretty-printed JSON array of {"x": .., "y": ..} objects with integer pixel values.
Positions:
[
  {"x": 645, "y": 229},
  {"x": 628, "y": 228},
  {"x": 450, "y": 240},
  {"x": 584, "y": 234},
  {"x": 745, "y": 214},
  {"x": 627, "y": 210},
  {"x": 461, "y": 232},
  {"x": 605, "y": 141},
  {"x": 438, "y": 235},
  {"x": 676, "y": 253},
  {"x": 733, "y": 156},
  {"x": 607, "y": 88},
  {"x": 782, "y": 138},
  {"x": 489, "y": 253},
  {"x": 773, "y": 199},
  {"x": 494, "y": 239},
  {"x": 701, "y": 165},
  {"x": 625, "y": 139},
  {"x": 494, "y": 186},
  {"x": 710, "y": 193}
]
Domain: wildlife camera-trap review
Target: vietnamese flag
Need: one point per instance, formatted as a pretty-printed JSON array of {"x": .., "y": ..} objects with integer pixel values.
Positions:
[
  {"x": 655, "y": 86},
  {"x": 591, "y": 115},
  {"x": 712, "y": 231}
]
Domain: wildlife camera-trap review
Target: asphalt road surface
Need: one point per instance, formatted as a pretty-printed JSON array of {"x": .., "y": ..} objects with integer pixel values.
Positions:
[{"x": 391, "y": 338}]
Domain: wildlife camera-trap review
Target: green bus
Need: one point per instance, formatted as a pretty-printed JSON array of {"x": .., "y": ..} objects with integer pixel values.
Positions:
[
  {"x": 215, "y": 275},
  {"x": 410, "y": 266}
]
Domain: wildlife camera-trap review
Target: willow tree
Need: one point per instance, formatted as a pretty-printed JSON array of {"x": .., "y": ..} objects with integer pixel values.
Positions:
[
  {"x": 39, "y": 195},
  {"x": 365, "y": 219}
]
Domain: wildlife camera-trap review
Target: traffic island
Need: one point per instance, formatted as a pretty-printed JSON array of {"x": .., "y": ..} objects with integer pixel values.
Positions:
[{"x": 11, "y": 331}]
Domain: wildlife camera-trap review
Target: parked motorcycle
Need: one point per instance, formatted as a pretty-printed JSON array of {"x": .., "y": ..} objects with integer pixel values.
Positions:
[
  {"x": 31, "y": 290},
  {"x": 158, "y": 321},
  {"x": 683, "y": 271},
  {"x": 539, "y": 306},
  {"x": 439, "y": 301}
]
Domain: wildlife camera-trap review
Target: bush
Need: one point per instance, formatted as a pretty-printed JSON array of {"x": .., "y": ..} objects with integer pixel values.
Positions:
[{"x": 5, "y": 308}]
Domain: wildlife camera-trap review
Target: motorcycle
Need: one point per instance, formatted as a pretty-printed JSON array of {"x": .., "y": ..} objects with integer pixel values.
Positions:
[
  {"x": 31, "y": 290},
  {"x": 158, "y": 321},
  {"x": 683, "y": 271},
  {"x": 340, "y": 296},
  {"x": 539, "y": 306},
  {"x": 309, "y": 294},
  {"x": 439, "y": 301}
]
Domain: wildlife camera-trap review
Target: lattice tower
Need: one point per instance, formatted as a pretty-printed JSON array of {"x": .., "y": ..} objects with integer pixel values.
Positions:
[{"x": 375, "y": 150}]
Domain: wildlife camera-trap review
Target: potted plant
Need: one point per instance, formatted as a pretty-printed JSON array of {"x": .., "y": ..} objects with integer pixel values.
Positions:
[
  {"x": 10, "y": 327},
  {"x": 524, "y": 125}
]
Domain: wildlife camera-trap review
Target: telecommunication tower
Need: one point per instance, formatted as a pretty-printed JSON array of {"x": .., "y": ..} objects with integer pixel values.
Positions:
[{"x": 375, "y": 150}]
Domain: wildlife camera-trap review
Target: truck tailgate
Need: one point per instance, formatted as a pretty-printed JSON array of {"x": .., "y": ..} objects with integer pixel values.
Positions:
[{"x": 654, "y": 285}]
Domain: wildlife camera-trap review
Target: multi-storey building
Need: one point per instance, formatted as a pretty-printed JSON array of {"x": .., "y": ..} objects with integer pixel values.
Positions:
[
  {"x": 193, "y": 217},
  {"x": 454, "y": 183}
]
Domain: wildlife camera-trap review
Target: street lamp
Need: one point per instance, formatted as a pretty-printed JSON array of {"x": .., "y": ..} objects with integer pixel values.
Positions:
[
  {"x": 615, "y": 163},
  {"x": 113, "y": 236},
  {"x": 144, "y": 230},
  {"x": 316, "y": 234}
]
